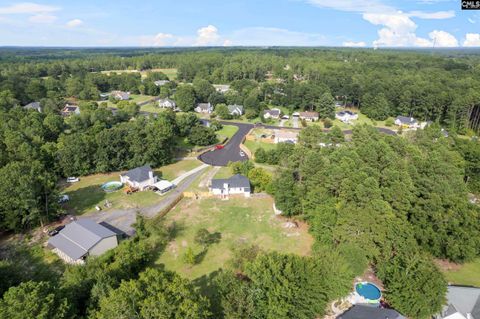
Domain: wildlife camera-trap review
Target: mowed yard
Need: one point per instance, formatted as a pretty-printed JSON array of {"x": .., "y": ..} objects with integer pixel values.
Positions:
[
  {"x": 236, "y": 221},
  {"x": 467, "y": 274},
  {"x": 171, "y": 73},
  {"x": 86, "y": 194}
]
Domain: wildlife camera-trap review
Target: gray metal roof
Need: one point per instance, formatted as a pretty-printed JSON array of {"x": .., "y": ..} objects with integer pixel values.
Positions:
[
  {"x": 167, "y": 100},
  {"x": 272, "y": 112},
  {"x": 234, "y": 107},
  {"x": 465, "y": 300},
  {"x": 78, "y": 237},
  {"x": 204, "y": 106},
  {"x": 370, "y": 312},
  {"x": 139, "y": 174},
  {"x": 234, "y": 181},
  {"x": 33, "y": 105},
  {"x": 406, "y": 119}
]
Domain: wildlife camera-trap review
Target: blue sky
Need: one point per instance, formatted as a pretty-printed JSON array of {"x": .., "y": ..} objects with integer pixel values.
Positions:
[{"x": 377, "y": 23}]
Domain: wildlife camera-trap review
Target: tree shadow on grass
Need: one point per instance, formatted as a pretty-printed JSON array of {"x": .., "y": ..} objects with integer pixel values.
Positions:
[{"x": 207, "y": 286}]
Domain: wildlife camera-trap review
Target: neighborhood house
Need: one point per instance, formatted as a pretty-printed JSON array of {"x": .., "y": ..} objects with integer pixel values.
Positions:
[
  {"x": 204, "y": 108},
  {"x": 139, "y": 178},
  {"x": 70, "y": 109},
  {"x": 221, "y": 88},
  {"x": 462, "y": 303},
  {"x": 161, "y": 82},
  {"x": 370, "y": 312},
  {"x": 271, "y": 114},
  {"x": 346, "y": 116},
  {"x": 33, "y": 106},
  {"x": 285, "y": 137},
  {"x": 120, "y": 95},
  {"x": 235, "y": 109},
  {"x": 406, "y": 121},
  {"x": 309, "y": 116},
  {"x": 167, "y": 103},
  {"x": 80, "y": 239},
  {"x": 237, "y": 184}
]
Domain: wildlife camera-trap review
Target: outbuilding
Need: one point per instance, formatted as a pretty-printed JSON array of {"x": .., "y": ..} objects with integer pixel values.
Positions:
[{"x": 237, "y": 184}]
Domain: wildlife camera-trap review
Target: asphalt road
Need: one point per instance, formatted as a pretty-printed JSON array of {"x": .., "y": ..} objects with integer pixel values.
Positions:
[{"x": 231, "y": 151}]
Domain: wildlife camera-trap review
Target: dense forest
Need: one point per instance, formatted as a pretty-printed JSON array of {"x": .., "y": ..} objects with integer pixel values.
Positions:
[{"x": 392, "y": 203}]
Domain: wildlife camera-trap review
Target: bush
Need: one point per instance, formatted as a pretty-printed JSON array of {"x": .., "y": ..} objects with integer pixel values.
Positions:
[
  {"x": 389, "y": 122},
  {"x": 327, "y": 123}
]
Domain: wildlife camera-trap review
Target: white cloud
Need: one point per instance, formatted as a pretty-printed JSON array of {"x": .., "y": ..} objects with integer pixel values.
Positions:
[
  {"x": 442, "y": 39},
  {"x": 227, "y": 43},
  {"x": 158, "y": 40},
  {"x": 28, "y": 8},
  {"x": 42, "y": 18},
  {"x": 207, "y": 36},
  {"x": 354, "y": 44},
  {"x": 264, "y": 36},
  {"x": 74, "y": 23},
  {"x": 472, "y": 40},
  {"x": 432, "y": 15}
]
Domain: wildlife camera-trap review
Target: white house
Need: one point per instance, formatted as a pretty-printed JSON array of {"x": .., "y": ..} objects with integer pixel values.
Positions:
[
  {"x": 161, "y": 82},
  {"x": 120, "y": 95},
  {"x": 204, "y": 108},
  {"x": 237, "y": 184},
  {"x": 271, "y": 114},
  {"x": 80, "y": 239},
  {"x": 70, "y": 109},
  {"x": 346, "y": 116},
  {"x": 309, "y": 116},
  {"x": 406, "y": 121},
  {"x": 222, "y": 88},
  {"x": 167, "y": 103},
  {"x": 285, "y": 137},
  {"x": 235, "y": 109},
  {"x": 141, "y": 177},
  {"x": 462, "y": 303}
]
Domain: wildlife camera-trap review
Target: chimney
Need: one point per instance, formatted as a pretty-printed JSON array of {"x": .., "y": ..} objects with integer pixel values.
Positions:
[{"x": 150, "y": 174}]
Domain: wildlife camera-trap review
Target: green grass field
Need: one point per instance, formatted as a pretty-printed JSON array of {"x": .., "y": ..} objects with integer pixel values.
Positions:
[
  {"x": 235, "y": 221},
  {"x": 254, "y": 145},
  {"x": 468, "y": 274},
  {"x": 137, "y": 98},
  {"x": 86, "y": 194},
  {"x": 171, "y": 73},
  {"x": 226, "y": 132},
  {"x": 152, "y": 108}
]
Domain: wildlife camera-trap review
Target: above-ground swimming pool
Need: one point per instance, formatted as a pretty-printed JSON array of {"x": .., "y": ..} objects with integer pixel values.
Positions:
[
  {"x": 111, "y": 186},
  {"x": 368, "y": 291}
]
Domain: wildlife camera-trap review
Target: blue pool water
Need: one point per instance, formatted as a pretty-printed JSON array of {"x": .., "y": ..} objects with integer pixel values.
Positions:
[
  {"x": 368, "y": 291},
  {"x": 111, "y": 186}
]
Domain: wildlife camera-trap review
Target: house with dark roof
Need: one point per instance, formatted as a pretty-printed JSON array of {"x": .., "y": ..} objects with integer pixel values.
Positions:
[
  {"x": 204, "y": 108},
  {"x": 120, "y": 95},
  {"x": 271, "y": 114},
  {"x": 346, "y": 116},
  {"x": 33, "y": 106},
  {"x": 237, "y": 184},
  {"x": 167, "y": 103},
  {"x": 80, "y": 239},
  {"x": 360, "y": 311},
  {"x": 406, "y": 121},
  {"x": 462, "y": 303},
  {"x": 309, "y": 116},
  {"x": 70, "y": 109},
  {"x": 235, "y": 109},
  {"x": 141, "y": 177}
]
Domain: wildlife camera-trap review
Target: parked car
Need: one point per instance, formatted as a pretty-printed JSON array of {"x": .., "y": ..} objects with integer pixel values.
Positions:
[
  {"x": 56, "y": 230},
  {"x": 219, "y": 147},
  {"x": 72, "y": 179},
  {"x": 242, "y": 153},
  {"x": 63, "y": 199}
]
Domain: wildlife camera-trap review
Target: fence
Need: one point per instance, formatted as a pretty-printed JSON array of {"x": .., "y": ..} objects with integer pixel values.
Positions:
[{"x": 177, "y": 199}]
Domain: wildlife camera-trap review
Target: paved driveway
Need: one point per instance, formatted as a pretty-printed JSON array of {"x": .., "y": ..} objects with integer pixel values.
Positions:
[{"x": 231, "y": 151}]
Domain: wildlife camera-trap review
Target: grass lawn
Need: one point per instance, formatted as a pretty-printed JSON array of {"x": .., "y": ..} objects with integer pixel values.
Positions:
[
  {"x": 223, "y": 172},
  {"x": 468, "y": 274},
  {"x": 152, "y": 108},
  {"x": 171, "y": 73},
  {"x": 227, "y": 131},
  {"x": 137, "y": 98},
  {"x": 235, "y": 221},
  {"x": 254, "y": 145},
  {"x": 86, "y": 194}
]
